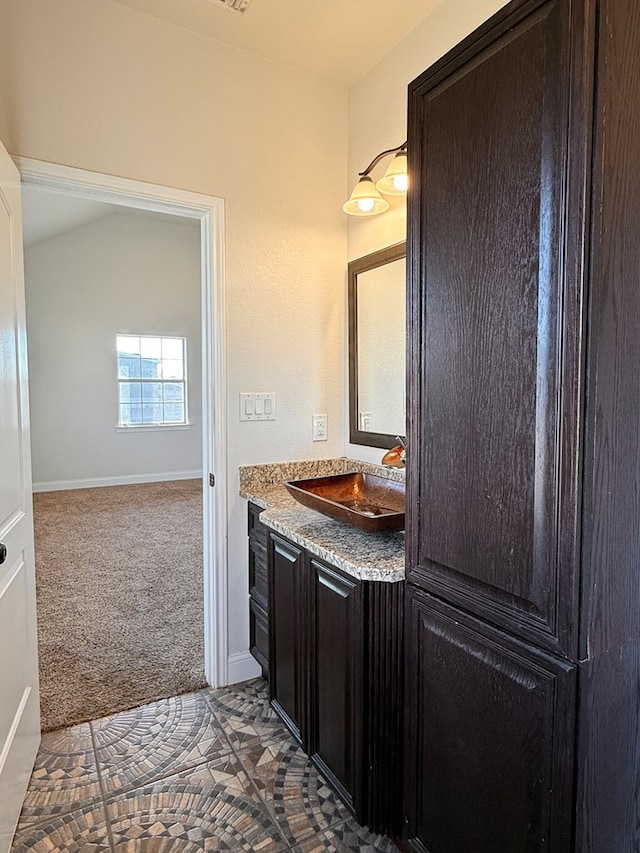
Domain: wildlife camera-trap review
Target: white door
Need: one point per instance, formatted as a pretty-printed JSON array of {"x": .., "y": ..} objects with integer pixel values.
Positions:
[{"x": 19, "y": 702}]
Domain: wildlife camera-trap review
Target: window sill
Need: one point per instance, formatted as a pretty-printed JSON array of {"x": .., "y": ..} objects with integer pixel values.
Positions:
[{"x": 156, "y": 428}]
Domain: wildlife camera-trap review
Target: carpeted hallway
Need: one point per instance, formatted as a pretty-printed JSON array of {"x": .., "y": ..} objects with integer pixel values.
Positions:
[{"x": 120, "y": 597}]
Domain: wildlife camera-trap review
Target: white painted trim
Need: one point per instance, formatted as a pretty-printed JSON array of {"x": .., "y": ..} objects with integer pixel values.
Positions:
[
  {"x": 125, "y": 480},
  {"x": 160, "y": 428},
  {"x": 241, "y": 667},
  {"x": 210, "y": 211},
  {"x": 114, "y": 190},
  {"x": 214, "y": 445}
]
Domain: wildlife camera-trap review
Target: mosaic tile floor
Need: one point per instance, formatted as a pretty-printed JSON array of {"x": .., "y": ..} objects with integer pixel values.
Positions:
[{"x": 212, "y": 770}]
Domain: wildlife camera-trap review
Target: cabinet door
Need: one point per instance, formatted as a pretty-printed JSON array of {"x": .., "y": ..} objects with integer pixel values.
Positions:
[
  {"x": 336, "y": 713},
  {"x": 489, "y": 750},
  {"x": 496, "y": 219},
  {"x": 286, "y": 641}
]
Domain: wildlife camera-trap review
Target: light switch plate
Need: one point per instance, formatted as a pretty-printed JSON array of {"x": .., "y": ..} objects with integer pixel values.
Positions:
[{"x": 258, "y": 406}]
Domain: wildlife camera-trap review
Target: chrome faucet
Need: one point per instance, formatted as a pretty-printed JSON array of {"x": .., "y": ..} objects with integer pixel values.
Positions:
[{"x": 397, "y": 456}]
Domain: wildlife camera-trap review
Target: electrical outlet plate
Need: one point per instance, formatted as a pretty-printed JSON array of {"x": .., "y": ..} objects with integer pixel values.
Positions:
[{"x": 319, "y": 427}]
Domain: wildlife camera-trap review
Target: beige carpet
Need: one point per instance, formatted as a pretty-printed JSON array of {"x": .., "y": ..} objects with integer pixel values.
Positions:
[{"x": 120, "y": 597}]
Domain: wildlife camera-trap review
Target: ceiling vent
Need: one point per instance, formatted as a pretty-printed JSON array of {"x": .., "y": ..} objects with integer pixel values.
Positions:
[{"x": 234, "y": 5}]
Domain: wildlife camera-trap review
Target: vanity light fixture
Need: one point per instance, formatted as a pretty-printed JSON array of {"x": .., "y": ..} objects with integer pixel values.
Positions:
[
  {"x": 233, "y": 5},
  {"x": 366, "y": 198}
]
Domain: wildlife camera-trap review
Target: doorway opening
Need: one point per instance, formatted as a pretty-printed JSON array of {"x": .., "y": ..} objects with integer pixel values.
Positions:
[{"x": 207, "y": 212}]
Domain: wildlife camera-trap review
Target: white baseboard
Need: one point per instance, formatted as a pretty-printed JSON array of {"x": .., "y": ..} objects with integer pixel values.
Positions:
[
  {"x": 241, "y": 667},
  {"x": 126, "y": 480}
]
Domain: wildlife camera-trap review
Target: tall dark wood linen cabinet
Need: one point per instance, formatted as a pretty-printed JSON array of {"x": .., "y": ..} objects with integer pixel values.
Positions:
[{"x": 523, "y": 533}]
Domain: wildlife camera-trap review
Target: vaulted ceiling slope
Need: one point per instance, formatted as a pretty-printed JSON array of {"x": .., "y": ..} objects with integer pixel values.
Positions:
[
  {"x": 48, "y": 213},
  {"x": 334, "y": 40}
]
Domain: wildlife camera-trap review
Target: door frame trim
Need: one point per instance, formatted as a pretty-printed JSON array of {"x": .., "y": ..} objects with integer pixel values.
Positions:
[{"x": 209, "y": 210}]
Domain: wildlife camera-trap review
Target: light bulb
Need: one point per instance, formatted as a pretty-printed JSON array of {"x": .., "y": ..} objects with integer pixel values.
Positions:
[
  {"x": 401, "y": 183},
  {"x": 365, "y": 204}
]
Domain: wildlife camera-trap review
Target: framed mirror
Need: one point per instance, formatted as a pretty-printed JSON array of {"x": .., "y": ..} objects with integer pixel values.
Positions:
[{"x": 377, "y": 348}]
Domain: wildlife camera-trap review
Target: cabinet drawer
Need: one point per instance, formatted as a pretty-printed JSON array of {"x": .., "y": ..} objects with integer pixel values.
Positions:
[
  {"x": 259, "y": 634},
  {"x": 255, "y": 528},
  {"x": 258, "y": 578}
]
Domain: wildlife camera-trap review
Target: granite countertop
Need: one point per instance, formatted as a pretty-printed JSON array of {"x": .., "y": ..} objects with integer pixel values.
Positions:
[{"x": 363, "y": 555}]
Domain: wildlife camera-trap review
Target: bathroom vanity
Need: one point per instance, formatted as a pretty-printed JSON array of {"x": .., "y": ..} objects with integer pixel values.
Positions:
[{"x": 326, "y": 627}]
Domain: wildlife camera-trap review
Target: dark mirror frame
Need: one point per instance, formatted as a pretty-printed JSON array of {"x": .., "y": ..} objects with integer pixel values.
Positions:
[{"x": 354, "y": 268}]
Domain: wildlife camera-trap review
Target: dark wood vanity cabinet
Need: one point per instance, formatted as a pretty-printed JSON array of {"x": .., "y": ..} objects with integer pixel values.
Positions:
[
  {"x": 523, "y": 518},
  {"x": 336, "y": 677},
  {"x": 258, "y": 590}
]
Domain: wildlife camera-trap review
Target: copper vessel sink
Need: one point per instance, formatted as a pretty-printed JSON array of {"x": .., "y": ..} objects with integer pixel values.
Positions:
[{"x": 363, "y": 500}]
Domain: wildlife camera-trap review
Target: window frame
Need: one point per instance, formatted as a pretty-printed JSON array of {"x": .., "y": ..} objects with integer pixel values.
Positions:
[{"x": 155, "y": 425}]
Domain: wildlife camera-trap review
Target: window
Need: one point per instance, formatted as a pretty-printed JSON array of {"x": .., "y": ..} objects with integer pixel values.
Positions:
[{"x": 151, "y": 381}]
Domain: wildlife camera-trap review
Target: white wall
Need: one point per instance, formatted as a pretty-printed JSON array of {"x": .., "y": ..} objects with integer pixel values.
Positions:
[
  {"x": 96, "y": 85},
  {"x": 378, "y": 120},
  {"x": 118, "y": 274}
]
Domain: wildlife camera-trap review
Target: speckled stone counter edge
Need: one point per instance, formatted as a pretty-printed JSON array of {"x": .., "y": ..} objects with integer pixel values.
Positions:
[{"x": 366, "y": 556}]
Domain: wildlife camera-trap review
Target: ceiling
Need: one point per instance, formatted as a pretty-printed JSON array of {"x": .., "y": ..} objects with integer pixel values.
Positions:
[
  {"x": 335, "y": 40},
  {"x": 47, "y": 214}
]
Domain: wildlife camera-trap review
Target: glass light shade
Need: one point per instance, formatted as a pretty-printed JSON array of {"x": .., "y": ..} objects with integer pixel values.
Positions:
[
  {"x": 395, "y": 179},
  {"x": 365, "y": 199}
]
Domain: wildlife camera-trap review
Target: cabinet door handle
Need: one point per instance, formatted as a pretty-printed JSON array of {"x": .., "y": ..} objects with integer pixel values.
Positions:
[{"x": 3, "y": 553}]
